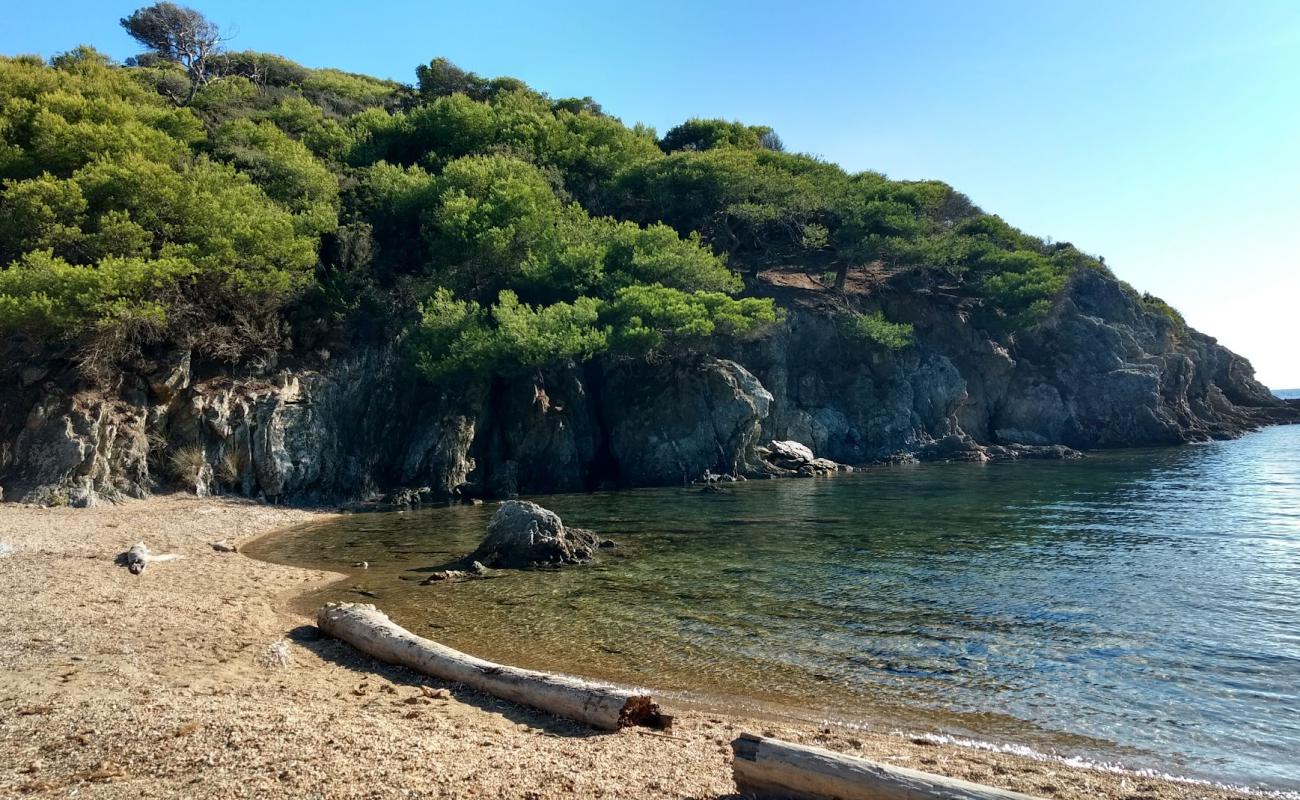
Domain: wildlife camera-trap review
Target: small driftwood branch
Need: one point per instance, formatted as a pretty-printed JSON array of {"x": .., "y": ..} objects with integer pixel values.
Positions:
[
  {"x": 139, "y": 556},
  {"x": 770, "y": 768},
  {"x": 371, "y": 631}
]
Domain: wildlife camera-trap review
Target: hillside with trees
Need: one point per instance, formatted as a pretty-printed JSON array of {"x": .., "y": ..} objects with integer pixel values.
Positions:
[
  {"x": 254, "y": 214},
  {"x": 246, "y": 206}
]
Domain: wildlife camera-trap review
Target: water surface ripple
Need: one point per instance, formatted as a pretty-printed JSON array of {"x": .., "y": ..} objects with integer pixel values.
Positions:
[{"x": 1141, "y": 606}]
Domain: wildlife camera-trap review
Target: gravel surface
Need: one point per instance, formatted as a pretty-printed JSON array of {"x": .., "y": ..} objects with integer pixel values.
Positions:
[{"x": 194, "y": 680}]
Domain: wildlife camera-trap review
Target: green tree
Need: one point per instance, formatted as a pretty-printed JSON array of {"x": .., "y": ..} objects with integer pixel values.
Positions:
[
  {"x": 180, "y": 35},
  {"x": 285, "y": 169},
  {"x": 706, "y": 134},
  {"x": 656, "y": 320}
]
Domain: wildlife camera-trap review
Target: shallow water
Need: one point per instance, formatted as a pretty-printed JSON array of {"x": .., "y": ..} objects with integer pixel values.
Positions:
[{"x": 1135, "y": 606}]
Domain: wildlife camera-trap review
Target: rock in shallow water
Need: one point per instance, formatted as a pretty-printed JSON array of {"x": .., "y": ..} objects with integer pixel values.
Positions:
[{"x": 523, "y": 534}]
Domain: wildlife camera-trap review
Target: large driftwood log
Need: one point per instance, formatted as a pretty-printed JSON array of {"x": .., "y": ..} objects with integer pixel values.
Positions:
[
  {"x": 766, "y": 767},
  {"x": 371, "y": 631}
]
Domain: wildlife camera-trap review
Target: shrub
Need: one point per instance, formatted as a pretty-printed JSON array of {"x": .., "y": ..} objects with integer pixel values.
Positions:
[
  {"x": 654, "y": 320},
  {"x": 1156, "y": 305},
  {"x": 231, "y": 466},
  {"x": 187, "y": 465},
  {"x": 874, "y": 329},
  {"x": 461, "y": 336},
  {"x": 44, "y": 295},
  {"x": 706, "y": 134}
]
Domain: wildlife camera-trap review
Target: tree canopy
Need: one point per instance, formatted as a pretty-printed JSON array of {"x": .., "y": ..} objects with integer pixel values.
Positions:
[
  {"x": 179, "y": 35},
  {"x": 242, "y": 204}
]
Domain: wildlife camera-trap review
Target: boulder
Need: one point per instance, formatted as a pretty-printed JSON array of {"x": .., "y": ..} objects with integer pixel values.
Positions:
[
  {"x": 523, "y": 534},
  {"x": 789, "y": 454}
]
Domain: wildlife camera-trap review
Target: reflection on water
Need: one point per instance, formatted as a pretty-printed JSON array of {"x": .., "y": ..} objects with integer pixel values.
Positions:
[{"x": 1143, "y": 605}]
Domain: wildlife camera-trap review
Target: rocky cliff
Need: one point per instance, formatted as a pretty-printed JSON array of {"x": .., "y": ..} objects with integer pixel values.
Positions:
[{"x": 1102, "y": 371}]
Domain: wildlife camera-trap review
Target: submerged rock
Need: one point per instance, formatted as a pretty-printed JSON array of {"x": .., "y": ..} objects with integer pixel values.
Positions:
[
  {"x": 476, "y": 570},
  {"x": 523, "y": 534}
]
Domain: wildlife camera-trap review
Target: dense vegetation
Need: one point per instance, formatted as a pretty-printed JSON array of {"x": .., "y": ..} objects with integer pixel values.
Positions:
[{"x": 245, "y": 206}]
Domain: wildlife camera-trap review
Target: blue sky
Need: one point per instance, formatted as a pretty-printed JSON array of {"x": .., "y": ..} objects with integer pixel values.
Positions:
[{"x": 1164, "y": 136}]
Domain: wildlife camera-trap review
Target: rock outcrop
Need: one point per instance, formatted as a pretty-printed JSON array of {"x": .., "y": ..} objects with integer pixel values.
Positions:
[
  {"x": 671, "y": 424},
  {"x": 523, "y": 534},
  {"x": 1101, "y": 371},
  {"x": 791, "y": 457}
]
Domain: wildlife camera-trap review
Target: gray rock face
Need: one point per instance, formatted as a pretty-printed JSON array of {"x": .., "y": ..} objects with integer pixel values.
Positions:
[
  {"x": 523, "y": 534},
  {"x": 305, "y": 435},
  {"x": 670, "y": 424},
  {"x": 78, "y": 450},
  {"x": 1101, "y": 371}
]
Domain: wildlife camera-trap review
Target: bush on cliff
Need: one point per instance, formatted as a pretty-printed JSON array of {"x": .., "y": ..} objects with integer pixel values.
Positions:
[{"x": 874, "y": 329}]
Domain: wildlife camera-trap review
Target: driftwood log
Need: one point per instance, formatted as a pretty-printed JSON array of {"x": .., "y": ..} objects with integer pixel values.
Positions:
[
  {"x": 772, "y": 768},
  {"x": 607, "y": 707}
]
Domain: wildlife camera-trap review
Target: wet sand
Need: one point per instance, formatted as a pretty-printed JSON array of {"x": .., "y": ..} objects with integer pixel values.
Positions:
[{"x": 198, "y": 679}]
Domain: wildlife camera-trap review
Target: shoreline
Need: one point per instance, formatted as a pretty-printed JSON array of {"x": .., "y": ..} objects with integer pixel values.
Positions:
[{"x": 198, "y": 677}]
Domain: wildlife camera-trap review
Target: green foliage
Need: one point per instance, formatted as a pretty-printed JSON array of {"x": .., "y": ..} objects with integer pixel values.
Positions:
[
  {"x": 262, "y": 69},
  {"x": 47, "y": 296},
  {"x": 462, "y": 337},
  {"x": 585, "y": 149},
  {"x": 650, "y": 320},
  {"x": 57, "y": 120},
  {"x": 706, "y": 134},
  {"x": 1159, "y": 306},
  {"x": 285, "y": 169},
  {"x": 345, "y": 92},
  {"x": 208, "y": 213},
  {"x": 179, "y": 35},
  {"x": 327, "y": 138},
  {"x": 496, "y": 228},
  {"x": 493, "y": 216},
  {"x": 42, "y": 213},
  {"x": 455, "y": 336},
  {"x": 111, "y": 217},
  {"x": 494, "y": 222},
  {"x": 1022, "y": 289},
  {"x": 223, "y": 95},
  {"x": 754, "y": 204},
  {"x": 874, "y": 329},
  {"x": 441, "y": 78}
]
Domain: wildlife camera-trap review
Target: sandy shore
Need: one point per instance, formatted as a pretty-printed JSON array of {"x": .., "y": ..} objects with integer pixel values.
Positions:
[{"x": 171, "y": 683}]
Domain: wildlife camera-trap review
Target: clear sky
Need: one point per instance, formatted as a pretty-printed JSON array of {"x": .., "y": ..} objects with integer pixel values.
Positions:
[{"x": 1162, "y": 134}]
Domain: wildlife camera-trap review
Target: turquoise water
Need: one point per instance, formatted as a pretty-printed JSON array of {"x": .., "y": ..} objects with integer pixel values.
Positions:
[{"x": 1135, "y": 606}]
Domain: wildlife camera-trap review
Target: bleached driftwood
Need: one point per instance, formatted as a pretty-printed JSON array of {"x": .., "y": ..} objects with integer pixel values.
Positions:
[
  {"x": 371, "y": 631},
  {"x": 765, "y": 767},
  {"x": 138, "y": 557}
]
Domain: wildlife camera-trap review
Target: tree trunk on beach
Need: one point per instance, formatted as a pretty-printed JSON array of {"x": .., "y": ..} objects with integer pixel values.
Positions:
[
  {"x": 772, "y": 768},
  {"x": 607, "y": 707}
]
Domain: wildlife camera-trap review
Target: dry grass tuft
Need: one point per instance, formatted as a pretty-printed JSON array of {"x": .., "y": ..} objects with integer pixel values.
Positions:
[
  {"x": 230, "y": 469},
  {"x": 187, "y": 464}
]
